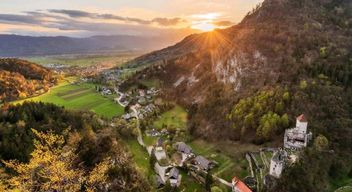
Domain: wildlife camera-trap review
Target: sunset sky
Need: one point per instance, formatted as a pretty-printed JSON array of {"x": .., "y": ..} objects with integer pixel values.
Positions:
[{"x": 111, "y": 17}]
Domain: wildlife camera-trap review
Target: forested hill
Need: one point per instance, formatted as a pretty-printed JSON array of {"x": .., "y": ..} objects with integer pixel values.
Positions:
[
  {"x": 44, "y": 147},
  {"x": 20, "y": 79},
  {"x": 250, "y": 81}
]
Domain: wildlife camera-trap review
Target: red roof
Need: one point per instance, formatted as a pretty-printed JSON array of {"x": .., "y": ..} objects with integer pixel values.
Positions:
[
  {"x": 240, "y": 185},
  {"x": 302, "y": 118}
]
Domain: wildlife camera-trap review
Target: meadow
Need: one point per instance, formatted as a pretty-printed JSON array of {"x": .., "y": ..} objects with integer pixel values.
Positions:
[
  {"x": 79, "y": 97},
  {"x": 176, "y": 118}
]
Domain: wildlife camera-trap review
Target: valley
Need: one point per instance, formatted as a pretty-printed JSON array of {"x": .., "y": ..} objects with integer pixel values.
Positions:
[{"x": 264, "y": 105}]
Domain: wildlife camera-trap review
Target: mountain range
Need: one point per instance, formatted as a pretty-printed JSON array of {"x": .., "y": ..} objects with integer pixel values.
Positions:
[{"x": 16, "y": 46}]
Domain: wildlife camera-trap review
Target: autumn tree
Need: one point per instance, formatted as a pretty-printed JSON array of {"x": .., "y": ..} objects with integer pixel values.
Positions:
[{"x": 49, "y": 169}]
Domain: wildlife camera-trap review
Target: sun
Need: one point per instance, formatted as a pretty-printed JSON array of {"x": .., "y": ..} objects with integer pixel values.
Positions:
[
  {"x": 204, "y": 26},
  {"x": 204, "y": 22}
]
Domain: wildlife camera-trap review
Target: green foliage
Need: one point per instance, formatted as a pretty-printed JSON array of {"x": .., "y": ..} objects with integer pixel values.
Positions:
[
  {"x": 323, "y": 53},
  {"x": 321, "y": 143},
  {"x": 216, "y": 189},
  {"x": 284, "y": 120},
  {"x": 262, "y": 113},
  {"x": 208, "y": 181},
  {"x": 269, "y": 124},
  {"x": 303, "y": 84}
]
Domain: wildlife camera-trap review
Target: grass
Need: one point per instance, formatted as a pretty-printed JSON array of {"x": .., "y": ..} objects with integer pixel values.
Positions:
[
  {"x": 151, "y": 83},
  {"x": 229, "y": 156},
  {"x": 190, "y": 184},
  {"x": 176, "y": 117},
  {"x": 140, "y": 157},
  {"x": 337, "y": 183},
  {"x": 148, "y": 140},
  {"x": 79, "y": 97}
]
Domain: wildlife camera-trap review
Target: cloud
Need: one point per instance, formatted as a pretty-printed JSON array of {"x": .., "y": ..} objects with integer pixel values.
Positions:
[
  {"x": 223, "y": 23},
  {"x": 72, "y": 13},
  {"x": 167, "y": 21},
  {"x": 84, "y": 14},
  {"x": 12, "y": 18},
  {"x": 75, "y": 21}
]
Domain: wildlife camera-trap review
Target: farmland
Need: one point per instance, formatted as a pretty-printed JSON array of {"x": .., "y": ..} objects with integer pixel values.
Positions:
[
  {"x": 83, "y": 60},
  {"x": 79, "y": 97}
]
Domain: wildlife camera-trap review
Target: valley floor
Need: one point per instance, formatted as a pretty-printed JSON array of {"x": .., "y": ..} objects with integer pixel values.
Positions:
[{"x": 79, "y": 96}]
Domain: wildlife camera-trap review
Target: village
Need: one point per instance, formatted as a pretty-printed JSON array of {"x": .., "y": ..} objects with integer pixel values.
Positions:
[{"x": 169, "y": 157}]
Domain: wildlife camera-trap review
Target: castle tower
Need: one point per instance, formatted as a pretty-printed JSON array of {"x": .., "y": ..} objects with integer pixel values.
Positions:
[{"x": 301, "y": 124}]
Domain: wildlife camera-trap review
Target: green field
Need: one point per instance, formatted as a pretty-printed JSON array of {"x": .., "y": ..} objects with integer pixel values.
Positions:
[
  {"x": 229, "y": 156},
  {"x": 176, "y": 118},
  {"x": 79, "y": 97}
]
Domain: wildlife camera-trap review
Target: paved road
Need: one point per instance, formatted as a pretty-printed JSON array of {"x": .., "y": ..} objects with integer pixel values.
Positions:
[
  {"x": 118, "y": 100},
  {"x": 139, "y": 137}
]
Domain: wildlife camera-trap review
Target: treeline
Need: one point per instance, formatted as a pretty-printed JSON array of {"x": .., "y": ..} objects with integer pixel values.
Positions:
[
  {"x": 20, "y": 79},
  {"x": 47, "y": 148}
]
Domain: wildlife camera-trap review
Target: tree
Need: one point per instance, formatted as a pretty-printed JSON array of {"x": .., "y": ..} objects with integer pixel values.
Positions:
[
  {"x": 208, "y": 181},
  {"x": 321, "y": 143},
  {"x": 284, "y": 120},
  {"x": 49, "y": 169},
  {"x": 303, "y": 84},
  {"x": 286, "y": 96},
  {"x": 152, "y": 159}
]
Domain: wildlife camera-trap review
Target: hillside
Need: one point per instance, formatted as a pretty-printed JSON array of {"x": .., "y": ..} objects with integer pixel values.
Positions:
[
  {"x": 47, "y": 148},
  {"x": 248, "y": 82},
  {"x": 21, "y": 79},
  {"x": 16, "y": 46}
]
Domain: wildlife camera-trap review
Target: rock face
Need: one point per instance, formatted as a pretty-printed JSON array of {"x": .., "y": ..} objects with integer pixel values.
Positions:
[{"x": 277, "y": 44}]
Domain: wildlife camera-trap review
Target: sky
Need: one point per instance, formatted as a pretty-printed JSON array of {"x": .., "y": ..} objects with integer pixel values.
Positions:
[{"x": 82, "y": 18}]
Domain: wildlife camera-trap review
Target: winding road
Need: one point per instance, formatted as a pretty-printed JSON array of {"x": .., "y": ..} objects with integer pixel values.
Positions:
[{"x": 139, "y": 137}]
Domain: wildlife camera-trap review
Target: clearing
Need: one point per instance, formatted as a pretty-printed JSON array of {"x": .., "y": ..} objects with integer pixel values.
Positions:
[
  {"x": 175, "y": 118},
  {"x": 79, "y": 97}
]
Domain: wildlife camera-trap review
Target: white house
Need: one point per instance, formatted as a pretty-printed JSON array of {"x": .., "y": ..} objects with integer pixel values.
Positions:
[
  {"x": 298, "y": 137},
  {"x": 277, "y": 163}
]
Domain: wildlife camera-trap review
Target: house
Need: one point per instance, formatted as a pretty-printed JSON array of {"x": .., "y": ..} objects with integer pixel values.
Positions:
[
  {"x": 152, "y": 133},
  {"x": 127, "y": 116},
  {"x": 159, "y": 142},
  {"x": 297, "y": 138},
  {"x": 160, "y": 171},
  {"x": 159, "y": 151},
  {"x": 164, "y": 132},
  {"x": 203, "y": 163},
  {"x": 141, "y": 93},
  {"x": 239, "y": 186},
  {"x": 277, "y": 163},
  {"x": 184, "y": 149},
  {"x": 159, "y": 182},
  {"x": 174, "y": 177}
]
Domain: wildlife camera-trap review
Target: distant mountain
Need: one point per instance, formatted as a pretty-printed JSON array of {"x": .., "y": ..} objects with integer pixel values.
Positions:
[
  {"x": 15, "y": 46},
  {"x": 20, "y": 79},
  {"x": 250, "y": 81}
]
